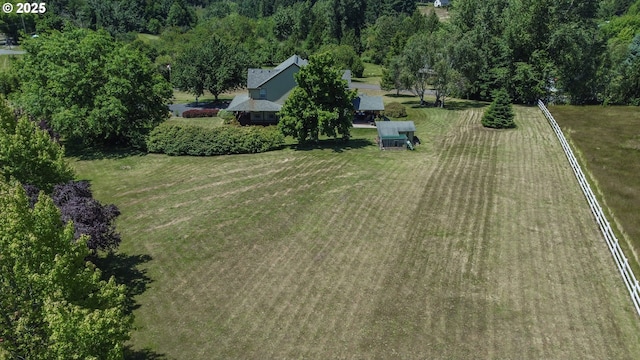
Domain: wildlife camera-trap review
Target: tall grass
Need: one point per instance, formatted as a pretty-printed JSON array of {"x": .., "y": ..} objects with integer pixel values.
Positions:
[{"x": 608, "y": 142}]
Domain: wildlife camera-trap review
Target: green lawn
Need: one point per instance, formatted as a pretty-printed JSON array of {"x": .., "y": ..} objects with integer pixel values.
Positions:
[
  {"x": 371, "y": 75},
  {"x": 148, "y": 38},
  {"x": 181, "y": 97},
  {"x": 479, "y": 244},
  {"x": 608, "y": 144}
]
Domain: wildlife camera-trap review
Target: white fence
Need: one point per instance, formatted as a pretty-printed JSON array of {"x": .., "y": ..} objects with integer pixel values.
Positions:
[{"x": 621, "y": 261}]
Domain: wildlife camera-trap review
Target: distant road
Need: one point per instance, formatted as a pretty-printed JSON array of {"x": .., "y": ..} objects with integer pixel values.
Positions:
[
  {"x": 11, "y": 52},
  {"x": 364, "y": 86}
]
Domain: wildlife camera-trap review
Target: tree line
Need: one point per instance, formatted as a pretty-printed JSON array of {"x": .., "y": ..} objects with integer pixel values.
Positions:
[
  {"x": 581, "y": 52},
  {"x": 90, "y": 86},
  {"x": 566, "y": 51}
]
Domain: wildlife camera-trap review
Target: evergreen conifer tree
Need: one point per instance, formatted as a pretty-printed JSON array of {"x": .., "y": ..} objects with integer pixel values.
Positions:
[{"x": 500, "y": 113}]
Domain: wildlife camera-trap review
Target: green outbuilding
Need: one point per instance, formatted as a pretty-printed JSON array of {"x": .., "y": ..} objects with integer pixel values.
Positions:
[{"x": 395, "y": 135}]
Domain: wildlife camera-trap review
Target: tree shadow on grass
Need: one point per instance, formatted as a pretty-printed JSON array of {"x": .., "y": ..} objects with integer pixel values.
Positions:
[
  {"x": 332, "y": 144},
  {"x": 464, "y": 104},
  {"x": 125, "y": 269},
  {"x": 144, "y": 354},
  {"x": 416, "y": 103},
  {"x": 209, "y": 104},
  {"x": 399, "y": 96},
  {"x": 100, "y": 152}
]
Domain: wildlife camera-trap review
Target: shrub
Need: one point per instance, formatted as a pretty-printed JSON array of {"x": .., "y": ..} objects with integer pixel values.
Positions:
[
  {"x": 172, "y": 139},
  {"x": 228, "y": 117},
  {"x": 395, "y": 110},
  {"x": 90, "y": 217},
  {"x": 9, "y": 82},
  {"x": 200, "y": 113},
  {"x": 500, "y": 113}
]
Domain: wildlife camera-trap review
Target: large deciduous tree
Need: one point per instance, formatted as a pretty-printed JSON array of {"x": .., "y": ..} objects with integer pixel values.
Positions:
[
  {"x": 426, "y": 61},
  {"x": 418, "y": 62},
  {"x": 54, "y": 305},
  {"x": 216, "y": 65},
  {"x": 91, "y": 88},
  {"x": 392, "y": 76},
  {"x": 626, "y": 86},
  {"x": 13, "y": 23},
  {"x": 28, "y": 154},
  {"x": 345, "y": 58},
  {"x": 181, "y": 15},
  {"x": 321, "y": 104}
]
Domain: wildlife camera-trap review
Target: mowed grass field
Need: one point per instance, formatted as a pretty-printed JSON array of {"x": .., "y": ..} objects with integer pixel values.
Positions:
[
  {"x": 608, "y": 141},
  {"x": 477, "y": 245}
]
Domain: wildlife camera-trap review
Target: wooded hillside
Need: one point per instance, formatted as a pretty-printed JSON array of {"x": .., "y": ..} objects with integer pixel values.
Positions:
[{"x": 562, "y": 50}]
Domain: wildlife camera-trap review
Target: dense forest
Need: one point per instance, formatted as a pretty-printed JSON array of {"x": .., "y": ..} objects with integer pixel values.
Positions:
[{"x": 563, "y": 50}]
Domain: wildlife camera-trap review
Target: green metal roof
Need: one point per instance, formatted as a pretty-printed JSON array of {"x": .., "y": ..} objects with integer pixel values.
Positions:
[
  {"x": 394, "y": 137},
  {"x": 394, "y": 128},
  {"x": 368, "y": 103},
  {"x": 243, "y": 102}
]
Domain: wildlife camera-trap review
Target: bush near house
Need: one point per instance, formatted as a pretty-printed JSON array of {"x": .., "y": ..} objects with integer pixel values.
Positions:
[
  {"x": 395, "y": 110},
  {"x": 173, "y": 139},
  {"x": 200, "y": 113},
  {"x": 228, "y": 117}
]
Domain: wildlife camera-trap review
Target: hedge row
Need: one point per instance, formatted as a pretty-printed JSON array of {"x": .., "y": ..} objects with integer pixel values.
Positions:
[
  {"x": 172, "y": 139},
  {"x": 200, "y": 113}
]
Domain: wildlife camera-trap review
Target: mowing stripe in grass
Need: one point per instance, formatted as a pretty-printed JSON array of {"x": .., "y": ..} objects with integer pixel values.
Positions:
[{"x": 477, "y": 245}]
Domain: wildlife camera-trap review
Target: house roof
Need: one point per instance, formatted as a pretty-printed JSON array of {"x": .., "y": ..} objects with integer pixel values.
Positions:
[
  {"x": 392, "y": 129},
  {"x": 368, "y": 103},
  {"x": 294, "y": 59},
  {"x": 257, "y": 77},
  {"x": 243, "y": 102}
]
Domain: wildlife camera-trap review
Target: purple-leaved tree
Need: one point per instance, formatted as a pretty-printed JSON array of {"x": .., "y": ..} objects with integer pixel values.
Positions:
[{"x": 89, "y": 216}]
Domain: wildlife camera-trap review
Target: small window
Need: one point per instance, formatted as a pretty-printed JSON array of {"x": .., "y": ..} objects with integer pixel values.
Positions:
[{"x": 263, "y": 93}]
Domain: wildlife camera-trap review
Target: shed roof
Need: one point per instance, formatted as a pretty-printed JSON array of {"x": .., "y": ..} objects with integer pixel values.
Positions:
[
  {"x": 368, "y": 103},
  {"x": 388, "y": 129}
]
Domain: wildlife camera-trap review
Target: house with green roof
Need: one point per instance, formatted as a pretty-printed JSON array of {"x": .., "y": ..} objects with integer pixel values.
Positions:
[
  {"x": 268, "y": 89},
  {"x": 367, "y": 108}
]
